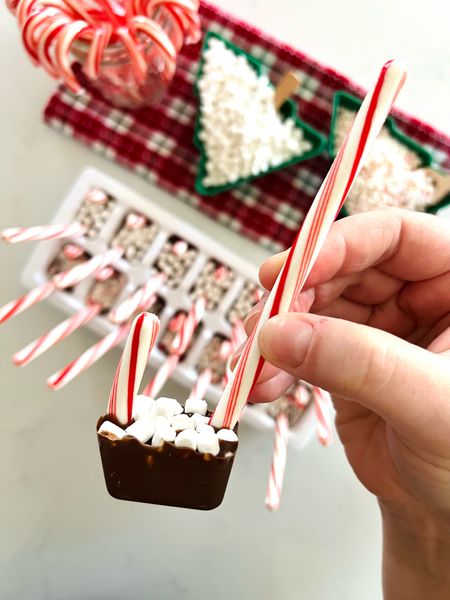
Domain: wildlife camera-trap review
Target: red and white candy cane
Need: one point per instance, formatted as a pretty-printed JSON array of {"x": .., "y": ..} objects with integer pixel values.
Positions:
[
  {"x": 15, "y": 235},
  {"x": 184, "y": 13},
  {"x": 55, "y": 335},
  {"x": 312, "y": 235},
  {"x": 63, "y": 280},
  {"x": 162, "y": 375},
  {"x": 238, "y": 337},
  {"x": 190, "y": 323},
  {"x": 186, "y": 326},
  {"x": 201, "y": 384},
  {"x": 15, "y": 307},
  {"x": 323, "y": 408},
  {"x": 84, "y": 270},
  {"x": 130, "y": 370},
  {"x": 93, "y": 354},
  {"x": 276, "y": 478},
  {"x": 141, "y": 299},
  {"x": 51, "y": 27}
]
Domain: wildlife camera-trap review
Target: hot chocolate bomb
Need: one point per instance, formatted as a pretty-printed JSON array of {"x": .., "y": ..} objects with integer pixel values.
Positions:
[{"x": 155, "y": 451}]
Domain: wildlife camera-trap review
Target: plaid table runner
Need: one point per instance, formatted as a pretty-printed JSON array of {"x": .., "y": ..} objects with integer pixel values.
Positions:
[{"x": 157, "y": 144}]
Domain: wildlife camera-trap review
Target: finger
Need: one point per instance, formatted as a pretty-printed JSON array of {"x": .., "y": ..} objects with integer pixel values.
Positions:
[
  {"x": 236, "y": 356},
  {"x": 251, "y": 320},
  {"x": 404, "y": 384},
  {"x": 369, "y": 287},
  {"x": 268, "y": 371},
  {"x": 441, "y": 335},
  {"x": 270, "y": 268},
  {"x": 428, "y": 300},
  {"x": 385, "y": 238},
  {"x": 342, "y": 308},
  {"x": 271, "y": 389},
  {"x": 391, "y": 318},
  {"x": 301, "y": 304},
  {"x": 373, "y": 287}
]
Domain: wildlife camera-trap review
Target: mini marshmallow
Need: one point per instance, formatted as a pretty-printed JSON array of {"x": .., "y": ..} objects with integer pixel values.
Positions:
[
  {"x": 198, "y": 419},
  {"x": 112, "y": 431},
  {"x": 227, "y": 435},
  {"x": 142, "y": 429},
  {"x": 208, "y": 443},
  {"x": 204, "y": 428},
  {"x": 142, "y": 405},
  {"x": 187, "y": 439},
  {"x": 160, "y": 421},
  {"x": 163, "y": 434},
  {"x": 180, "y": 422},
  {"x": 193, "y": 405},
  {"x": 157, "y": 440},
  {"x": 167, "y": 407}
]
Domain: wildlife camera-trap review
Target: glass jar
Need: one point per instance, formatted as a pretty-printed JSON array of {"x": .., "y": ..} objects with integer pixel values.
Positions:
[{"x": 117, "y": 81}]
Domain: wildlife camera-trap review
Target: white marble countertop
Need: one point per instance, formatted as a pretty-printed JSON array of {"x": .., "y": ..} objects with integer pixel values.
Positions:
[{"x": 62, "y": 537}]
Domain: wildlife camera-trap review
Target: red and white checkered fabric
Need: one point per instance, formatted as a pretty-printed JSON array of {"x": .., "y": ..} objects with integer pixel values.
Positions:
[{"x": 157, "y": 144}]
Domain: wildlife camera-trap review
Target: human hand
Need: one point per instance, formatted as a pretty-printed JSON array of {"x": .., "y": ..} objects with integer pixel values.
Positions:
[{"x": 379, "y": 341}]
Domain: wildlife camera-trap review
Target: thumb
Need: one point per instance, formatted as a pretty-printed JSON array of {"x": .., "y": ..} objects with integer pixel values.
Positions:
[{"x": 409, "y": 387}]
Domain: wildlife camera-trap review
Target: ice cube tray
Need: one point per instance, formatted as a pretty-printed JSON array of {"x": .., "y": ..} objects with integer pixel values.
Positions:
[{"x": 167, "y": 228}]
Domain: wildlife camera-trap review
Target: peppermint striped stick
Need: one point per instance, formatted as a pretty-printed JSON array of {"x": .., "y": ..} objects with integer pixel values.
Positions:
[
  {"x": 141, "y": 299},
  {"x": 57, "y": 334},
  {"x": 65, "y": 375},
  {"x": 238, "y": 337},
  {"x": 275, "y": 484},
  {"x": 86, "y": 269},
  {"x": 130, "y": 370},
  {"x": 38, "y": 233},
  {"x": 94, "y": 353},
  {"x": 187, "y": 325},
  {"x": 162, "y": 375},
  {"x": 60, "y": 281},
  {"x": 324, "y": 415},
  {"x": 201, "y": 385},
  {"x": 15, "y": 307},
  {"x": 312, "y": 235}
]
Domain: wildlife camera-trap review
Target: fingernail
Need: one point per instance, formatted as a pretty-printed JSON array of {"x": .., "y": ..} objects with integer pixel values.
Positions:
[
  {"x": 304, "y": 302},
  {"x": 234, "y": 359},
  {"x": 257, "y": 309},
  {"x": 250, "y": 320},
  {"x": 284, "y": 340}
]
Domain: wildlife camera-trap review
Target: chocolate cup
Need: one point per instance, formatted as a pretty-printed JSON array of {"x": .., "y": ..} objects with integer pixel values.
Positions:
[{"x": 166, "y": 474}]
